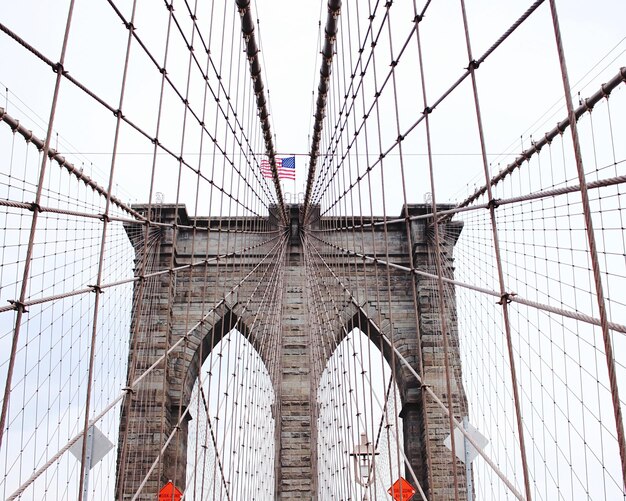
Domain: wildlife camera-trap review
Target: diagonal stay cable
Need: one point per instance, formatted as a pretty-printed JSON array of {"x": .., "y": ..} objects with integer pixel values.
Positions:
[
  {"x": 328, "y": 321},
  {"x": 424, "y": 385},
  {"x": 15, "y": 304},
  {"x": 252, "y": 52},
  {"x": 585, "y": 107},
  {"x": 182, "y": 416},
  {"x": 510, "y": 297},
  {"x": 449, "y": 213},
  {"x": 429, "y": 109},
  {"x": 18, "y": 492},
  {"x": 205, "y": 76},
  {"x": 153, "y": 139}
]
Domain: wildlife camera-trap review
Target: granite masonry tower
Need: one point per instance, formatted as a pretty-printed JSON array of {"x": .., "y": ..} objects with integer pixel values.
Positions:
[{"x": 156, "y": 404}]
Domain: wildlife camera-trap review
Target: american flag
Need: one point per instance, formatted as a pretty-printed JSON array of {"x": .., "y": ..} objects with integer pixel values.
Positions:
[{"x": 286, "y": 168}]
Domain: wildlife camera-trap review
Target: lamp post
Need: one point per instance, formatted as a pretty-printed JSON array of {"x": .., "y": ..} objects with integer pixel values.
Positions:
[{"x": 364, "y": 470}]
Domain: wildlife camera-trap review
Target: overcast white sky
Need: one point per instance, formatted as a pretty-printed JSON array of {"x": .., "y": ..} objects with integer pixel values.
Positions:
[{"x": 518, "y": 84}]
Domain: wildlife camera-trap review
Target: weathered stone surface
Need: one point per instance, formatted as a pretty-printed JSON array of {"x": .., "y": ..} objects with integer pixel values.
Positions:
[{"x": 172, "y": 302}]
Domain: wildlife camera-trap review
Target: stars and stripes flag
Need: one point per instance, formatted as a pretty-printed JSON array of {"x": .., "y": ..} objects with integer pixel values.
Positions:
[{"x": 286, "y": 168}]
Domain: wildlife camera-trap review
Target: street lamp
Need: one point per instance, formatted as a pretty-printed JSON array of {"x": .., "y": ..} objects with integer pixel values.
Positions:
[{"x": 364, "y": 462}]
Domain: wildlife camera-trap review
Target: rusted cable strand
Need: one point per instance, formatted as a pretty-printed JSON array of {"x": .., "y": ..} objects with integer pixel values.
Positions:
[
  {"x": 28, "y": 135},
  {"x": 587, "y": 106},
  {"x": 252, "y": 52},
  {"x": 15, "y": 305},
  {"x": 510, "y": 297},
  {"x": 417, "y": 20},
  {"x": 134, "y": 383},
  {"x": 330, "y": 34},
  {"x": 449, "y": 213},
  {"x": 155, "y": 140},
  {"x": 419, "y": 379}
]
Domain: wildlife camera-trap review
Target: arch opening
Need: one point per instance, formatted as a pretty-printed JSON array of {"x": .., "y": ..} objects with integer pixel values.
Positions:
[
  {"x": 230, "y": 437},
  {"x": 359, "y": 406}
]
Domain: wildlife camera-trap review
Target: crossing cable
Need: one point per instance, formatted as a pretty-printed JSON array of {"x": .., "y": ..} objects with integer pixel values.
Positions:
[
  {"x": 176, "y": 428},
  {"x": 217, "y": 270},
  {"x": 410, "y": 240},
  {"x": 254, "y": 398},
  {"x": 205, "y": 406},
  {"x": 178, "y": 437},
  {"x": 337, "y": 378},
  {"x": 423, "y": 384},
  {"x": 447, "y": 214},
  {"x": 173, "y": 277},
  {"x": 30, "y": 137},
  {"x": 205, "y": 74},
  {"x": 99, "y": 275},
  {"x": 429, "y": 109},
  {"x": 133, "y": 384},
  {"x": 33, "y": 229},
  {"x": 498, "y": 260},
  {"x": 351, "y": 91},
  {"x": 384, "y": 405},
  {"x": 212, "y": 342},
  {"x": 343, "y": 381},
  {"x": 15, "y": 305},
  {"x": 560, "y": 128},
  {"x": 575, "y": 315},
  {"x": 327, "y": 322},
  {"x": 438, "y": 258},
  {"x": 379, "y": 134},
  {"x": 264, "y": 338},
  {"x": 153, "y": 139},
  {"x": 593, "y": 251},
  {"x": 270, "y": 338},
  {"x": 362, "y": 71},
  {"x": 346, "y": 91}
]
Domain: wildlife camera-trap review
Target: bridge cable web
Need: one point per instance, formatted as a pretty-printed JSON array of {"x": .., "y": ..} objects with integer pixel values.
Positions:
[
  {"x": 94, "y": 222},
  {"x": 497, "y": 258},
  {"x": 400, "y": 294}
]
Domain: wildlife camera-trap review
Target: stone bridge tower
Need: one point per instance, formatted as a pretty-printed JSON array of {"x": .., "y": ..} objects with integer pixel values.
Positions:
[{"x": 150, "y": 411}]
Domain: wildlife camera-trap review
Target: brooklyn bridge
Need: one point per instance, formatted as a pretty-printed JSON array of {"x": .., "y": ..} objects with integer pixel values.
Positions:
[{"x": 335, "y": 250}]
